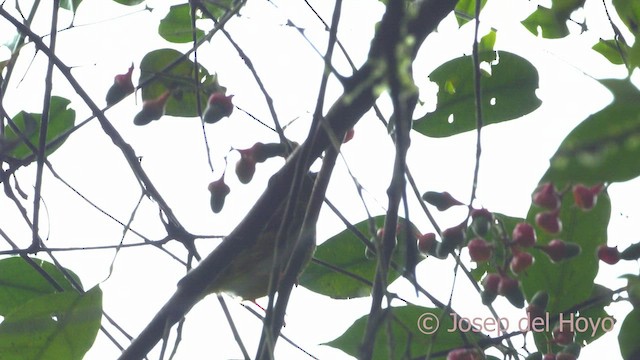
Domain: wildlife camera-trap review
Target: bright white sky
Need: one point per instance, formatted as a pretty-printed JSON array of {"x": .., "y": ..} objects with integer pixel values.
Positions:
[{"x": 515, "y": 155}]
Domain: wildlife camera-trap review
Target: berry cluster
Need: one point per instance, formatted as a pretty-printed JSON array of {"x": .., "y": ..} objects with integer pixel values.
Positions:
[{"x": 245, "y": 168}]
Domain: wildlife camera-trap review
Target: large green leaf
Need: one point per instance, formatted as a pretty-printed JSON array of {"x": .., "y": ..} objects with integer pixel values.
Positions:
[
  {"x": 346, "y": 252},
  {"x": 61, "y": 119},
  {"x": 606, "y": 146},
  {"x": 507, "y": 93},
  {"x": 629, "y": 336},
  {"x": 179, "y": 79},
  {"x": 176, "y": 26},
  {"x": 53, "y": 326},
  {"x": 553, "y": 21},
  {"x": 21, "y": 282},
  {"x": 415, "y": 330},
  {"x": 570, "y": 281}
]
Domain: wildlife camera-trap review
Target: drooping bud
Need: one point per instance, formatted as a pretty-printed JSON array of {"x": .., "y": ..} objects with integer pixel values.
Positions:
[
  {"x": 490, "y": 284},
  {"x": 218, "y": 106},
  {"x": 152, "y": 109},
  {"x": 122, "y": 86},
  {"x": 510, "y": 288},
  {"x": 441, "y": 200},
  {"x": 451, "y": 239},
  {"x": 481, "y": 221},
  {"x": 558, "y": 250},
  {"x": 219, "y": 191},
  {"x": 246, "y": 166}
]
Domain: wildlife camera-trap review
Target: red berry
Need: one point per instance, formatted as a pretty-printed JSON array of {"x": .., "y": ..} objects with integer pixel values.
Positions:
[
  {"x": 441, "y": 200},
  {"x": 524, "y": 235},
  {"x": 451, "y": 239},
  {"x": 549, "y": 356},
  {"x": 510, "y": 288},
  {"x": 219, "y": 191},
  {"x": 479, "y": 250},
  {"x": 537, "y": 306},
  {"x": 490, "y": 284},
  {"x": 547, "y": 197},
  {"x": 122, "y": 86},
  {"x": 152, "y": 109},
  {"x": 609, "y": 255},
  {"x": 348, "y": 136},
  {"x": 520, "y": 262},
  {"x": 558, "y": 250},
  {"x": 218, "y": 106},
  {"x": 426, "y": 242},
  {"x": 586, "y": 197},
  {"x": 549, "y": 221},
  {"x": 563, "y": 335}
]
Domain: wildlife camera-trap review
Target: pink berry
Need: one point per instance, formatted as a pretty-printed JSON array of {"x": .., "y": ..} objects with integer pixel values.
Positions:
[
  {"x": 218, "y": 106},
  {"x": 609, "y": 255},
  {"x": 152, "y": 109},
  {"x": 524, "y": 235},
  {"x": 586, "y": 197},
  {"x": 549, "y": 221},
  {"x": 479, "y": 250},
  {"x": 547, "y": 197},
  {"x": 426, "y": 242},
  {"x": 520, "y": 262}
]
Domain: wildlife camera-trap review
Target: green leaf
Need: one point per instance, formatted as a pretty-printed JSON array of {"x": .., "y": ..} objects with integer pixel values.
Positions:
[
  {"x": 604, "y": 147},
  {"x": 21, "y": 282},
  {"x": 633, "y": 289},
  {"x": 345, "y": 251},
  {"x": 612, "y": 50},
  {"x": 61, "y": 119},
  {"x": 629, "y": 336},
  {"x": 629, "y": 12},
  {"x": 407, "y": 325},
  {"x": 466, "y": 10},
  {"x": 53, "y": 326},
  {"x": 176, "y": 26},
  {"x": 508, "y": 93},
  {"x": 552, "y": 22},
  {"x": 179, "y": 79}
]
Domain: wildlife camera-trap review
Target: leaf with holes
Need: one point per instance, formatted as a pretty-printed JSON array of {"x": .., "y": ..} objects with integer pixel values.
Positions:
[
  {"x": 508, "y": 92},
  {"x": 552, "y": 22}
]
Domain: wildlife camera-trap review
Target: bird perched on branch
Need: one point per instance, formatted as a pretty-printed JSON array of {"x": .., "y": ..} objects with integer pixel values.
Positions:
[{"x": 248, "y": 275}]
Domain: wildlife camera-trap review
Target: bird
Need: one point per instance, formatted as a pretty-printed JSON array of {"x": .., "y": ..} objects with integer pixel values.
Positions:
[{"x": 249, "y": 272}]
